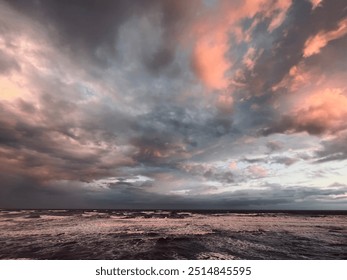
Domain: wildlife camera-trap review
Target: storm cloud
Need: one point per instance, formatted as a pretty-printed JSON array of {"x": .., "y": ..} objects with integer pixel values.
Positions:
[{"x": 173, "y": 104}]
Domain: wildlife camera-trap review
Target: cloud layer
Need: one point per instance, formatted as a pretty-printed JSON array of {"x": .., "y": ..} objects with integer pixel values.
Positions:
[{"x": 173, "y": 104}]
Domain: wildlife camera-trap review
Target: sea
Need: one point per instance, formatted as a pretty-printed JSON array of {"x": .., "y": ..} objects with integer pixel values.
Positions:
[{"x": 120, "y": 234}]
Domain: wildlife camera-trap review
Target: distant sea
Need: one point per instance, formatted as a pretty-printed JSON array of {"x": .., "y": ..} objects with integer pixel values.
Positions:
[{"x": 172, "y": 234}]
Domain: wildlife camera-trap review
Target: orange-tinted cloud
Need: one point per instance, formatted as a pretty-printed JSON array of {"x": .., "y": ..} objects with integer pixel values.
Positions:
[
  {"x": 316, "y": 112},
  {"x": 282, "y": 8},
  {"x": 298, "y": 78},
  {"x": 9, "y": 89},
  {"x": 326, "y": 109},
  {"x": 210, "y": 61},
  {"x": 314, "y": 44},
  {"x": 212, "y": 33}
]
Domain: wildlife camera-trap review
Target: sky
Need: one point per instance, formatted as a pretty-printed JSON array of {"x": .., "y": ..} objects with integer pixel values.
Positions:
[{"x": 201, "y": 104}]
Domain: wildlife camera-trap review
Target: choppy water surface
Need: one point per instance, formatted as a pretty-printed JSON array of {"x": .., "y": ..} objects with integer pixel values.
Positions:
[{"x": 108, "y": 234}]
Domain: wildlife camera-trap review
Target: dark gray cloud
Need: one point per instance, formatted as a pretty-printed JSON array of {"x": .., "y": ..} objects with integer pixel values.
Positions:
[
  {"x": 335, "y": 149},
  {"x": 223, "y": 177},
  {"x": 285, "y": 160},
  {"x": 274, "y": 146},
  {"x": 90, "y": 30},
  {"x": 290, "y": 124},
  {"x": 81, "y": 25},
  {"x": 122, "y": 195}
]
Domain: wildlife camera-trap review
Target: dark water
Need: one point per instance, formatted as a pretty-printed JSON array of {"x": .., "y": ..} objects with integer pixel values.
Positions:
[{"x": 111, "y": 234}]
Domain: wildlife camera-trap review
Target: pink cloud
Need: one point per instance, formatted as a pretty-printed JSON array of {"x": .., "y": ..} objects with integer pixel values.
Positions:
[
  {"x": 233, "y": 165},
  {"x": 327, "y": 109},
  {"x": 212, "y": 36},
  {"x": 282, "y": 8},
  {"x": 315, "y": 43},
  {"x": 258, "y": 171},
  {"x": 210, "y": 61},
  {"x": 9, "y": 89}
]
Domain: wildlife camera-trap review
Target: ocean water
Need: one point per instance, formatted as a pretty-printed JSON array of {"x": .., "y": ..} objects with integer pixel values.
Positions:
[{"x": 124, "y": 234}]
